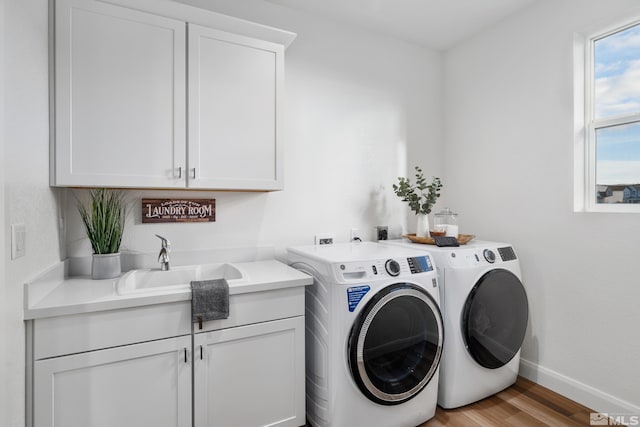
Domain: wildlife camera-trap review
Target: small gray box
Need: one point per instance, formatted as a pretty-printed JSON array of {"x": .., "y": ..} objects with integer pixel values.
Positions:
[{"x": 382, "y": 232}]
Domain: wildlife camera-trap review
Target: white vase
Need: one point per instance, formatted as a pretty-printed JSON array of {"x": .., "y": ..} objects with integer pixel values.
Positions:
[
  {"x": 422, "y": 225},
  {"x": 105, "y": 266}
]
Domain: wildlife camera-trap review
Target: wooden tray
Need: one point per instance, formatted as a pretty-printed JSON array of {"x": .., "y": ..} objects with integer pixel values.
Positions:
[{"x": 463, "y": 239}]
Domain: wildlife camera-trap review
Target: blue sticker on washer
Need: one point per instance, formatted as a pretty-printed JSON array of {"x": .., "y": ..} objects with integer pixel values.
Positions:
[{"x": 355, "y": 294}]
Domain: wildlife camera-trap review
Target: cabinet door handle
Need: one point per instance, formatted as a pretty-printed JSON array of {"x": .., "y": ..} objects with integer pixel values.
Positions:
[
  {"x": 201, "y": 353},
  {"x": 185, "y": 355},
  {"x": 179, "y": 172},
  {"x": 193, "y": 172}
]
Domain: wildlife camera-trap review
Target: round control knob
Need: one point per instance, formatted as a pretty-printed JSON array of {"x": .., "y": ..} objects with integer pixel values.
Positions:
[
  {"x": 489, "y": 256},
  {"x": 392, "y": 267}
]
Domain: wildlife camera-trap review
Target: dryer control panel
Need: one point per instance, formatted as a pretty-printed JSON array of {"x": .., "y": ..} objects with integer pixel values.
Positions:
[{"x": 476, "y": 256}]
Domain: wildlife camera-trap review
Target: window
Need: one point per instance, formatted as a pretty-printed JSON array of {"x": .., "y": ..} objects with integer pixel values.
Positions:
[{"x": 609, "y": 145}]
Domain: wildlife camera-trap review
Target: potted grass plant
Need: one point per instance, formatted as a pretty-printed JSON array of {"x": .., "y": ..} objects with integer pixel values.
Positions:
[
  {"x": 104, "y": 219},
  {"x": 421, "y": 197}
]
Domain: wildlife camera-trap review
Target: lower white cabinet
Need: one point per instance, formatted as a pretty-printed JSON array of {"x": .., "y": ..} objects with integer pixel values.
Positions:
[
  {"x": 146, "y": 384},
  {"x": 146, "y": 367},
  {"x": 250, "y": 375}
]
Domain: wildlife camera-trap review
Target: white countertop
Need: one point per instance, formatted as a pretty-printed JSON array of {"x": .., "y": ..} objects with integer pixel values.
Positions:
[{"x": 55, "y": 294}]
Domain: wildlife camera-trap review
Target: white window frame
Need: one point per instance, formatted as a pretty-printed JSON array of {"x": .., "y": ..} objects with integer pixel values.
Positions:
[{"x": 585, "y": 124}]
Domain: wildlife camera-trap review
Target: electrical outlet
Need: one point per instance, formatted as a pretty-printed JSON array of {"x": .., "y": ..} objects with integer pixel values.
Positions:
[
  {"x": 355, "y": 235},
  {"x": 382, "y": 232},
  {"x": 18, "y": 240},
  {"x": 325, "y": 238}
]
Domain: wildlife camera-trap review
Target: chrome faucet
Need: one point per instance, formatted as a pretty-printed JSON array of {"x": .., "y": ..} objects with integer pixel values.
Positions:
[{"x": 163, "y": 256}]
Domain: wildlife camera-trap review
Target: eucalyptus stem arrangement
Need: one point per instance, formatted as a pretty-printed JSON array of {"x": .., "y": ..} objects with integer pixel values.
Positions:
[
  {"x": 104, "y": 220},
  {"x": 422, "y": 196}
]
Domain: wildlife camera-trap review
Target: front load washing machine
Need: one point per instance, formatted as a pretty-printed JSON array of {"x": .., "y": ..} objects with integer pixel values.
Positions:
[
  {"x": 374, "y": 334},
  {"x": 485, "y": 312}
]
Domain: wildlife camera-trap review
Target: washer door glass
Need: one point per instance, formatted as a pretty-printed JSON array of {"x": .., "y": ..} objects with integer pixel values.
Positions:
[
  {"x": 396, "y": 343},
  {"x": 494, "y": 318}
]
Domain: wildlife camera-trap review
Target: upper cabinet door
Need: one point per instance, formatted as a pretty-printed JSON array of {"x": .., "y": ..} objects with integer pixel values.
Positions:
[
  {"x": 235, "y": 108},
  {"x": 120, "y": 97}
]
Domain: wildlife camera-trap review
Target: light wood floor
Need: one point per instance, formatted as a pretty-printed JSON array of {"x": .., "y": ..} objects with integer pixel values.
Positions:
[{"x": 523, "y": 404}]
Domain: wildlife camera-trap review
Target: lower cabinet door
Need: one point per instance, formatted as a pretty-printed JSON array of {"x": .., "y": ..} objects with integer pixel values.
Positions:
[
  {"x": 250, "y": 375},
  {"x": 147, "y": 384}
]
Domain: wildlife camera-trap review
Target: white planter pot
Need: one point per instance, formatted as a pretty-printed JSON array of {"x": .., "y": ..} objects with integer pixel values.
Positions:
[
  {"x": 105, "y": 266},
  {"x": 422, "y": 225}
]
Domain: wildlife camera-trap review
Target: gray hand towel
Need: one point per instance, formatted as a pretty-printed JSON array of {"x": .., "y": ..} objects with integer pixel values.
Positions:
[{"x": 209, "y": 300}]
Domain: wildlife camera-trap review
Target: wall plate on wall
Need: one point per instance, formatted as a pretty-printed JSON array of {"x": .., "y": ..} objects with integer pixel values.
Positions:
[
  {"x": 18, "y": 240},
  {"x": 382, "y": 232},
  {"x": 325, "y": 238}
]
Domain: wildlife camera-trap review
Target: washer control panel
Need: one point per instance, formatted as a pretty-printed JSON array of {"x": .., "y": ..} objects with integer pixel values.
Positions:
[
  {"x": 392, "y": 267},
  {"x": 421, "y": 264}
]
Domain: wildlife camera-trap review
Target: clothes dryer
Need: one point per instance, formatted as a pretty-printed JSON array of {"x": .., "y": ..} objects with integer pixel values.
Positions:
[
  {"x": 485, "y": 311},
  {"x": 374, "y": 334}
]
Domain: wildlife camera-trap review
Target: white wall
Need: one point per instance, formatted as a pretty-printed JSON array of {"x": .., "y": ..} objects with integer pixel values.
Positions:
[
  {"x": 509, "y": 159},
  {"x": 361, "y": 110},
  {"x": 4, "y": 348},
  {"x": 24, "y": 191},
  {"x": 357, "y": 105}
]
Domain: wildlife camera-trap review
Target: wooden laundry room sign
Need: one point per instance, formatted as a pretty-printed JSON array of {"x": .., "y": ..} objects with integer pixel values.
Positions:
[{"x": 178, "y": 210}]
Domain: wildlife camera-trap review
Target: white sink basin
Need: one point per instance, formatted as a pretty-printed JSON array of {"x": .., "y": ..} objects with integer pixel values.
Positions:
[{"x": 175, "y": 279}]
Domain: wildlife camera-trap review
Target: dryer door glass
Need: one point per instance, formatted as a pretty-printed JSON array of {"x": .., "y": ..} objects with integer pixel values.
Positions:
[
  {"x": 494, "y": 318},
  {"x": 396, "y": 343}
]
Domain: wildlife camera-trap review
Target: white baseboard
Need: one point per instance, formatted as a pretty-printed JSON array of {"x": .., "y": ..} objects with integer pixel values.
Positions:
[{"x": 579, "y": 392}]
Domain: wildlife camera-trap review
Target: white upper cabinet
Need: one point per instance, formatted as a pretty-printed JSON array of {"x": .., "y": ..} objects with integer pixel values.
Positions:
[
  {"x": 120, "y": 102},
  {"x": 124, "y": 118},
  {"x": 235, "y": 91}
]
